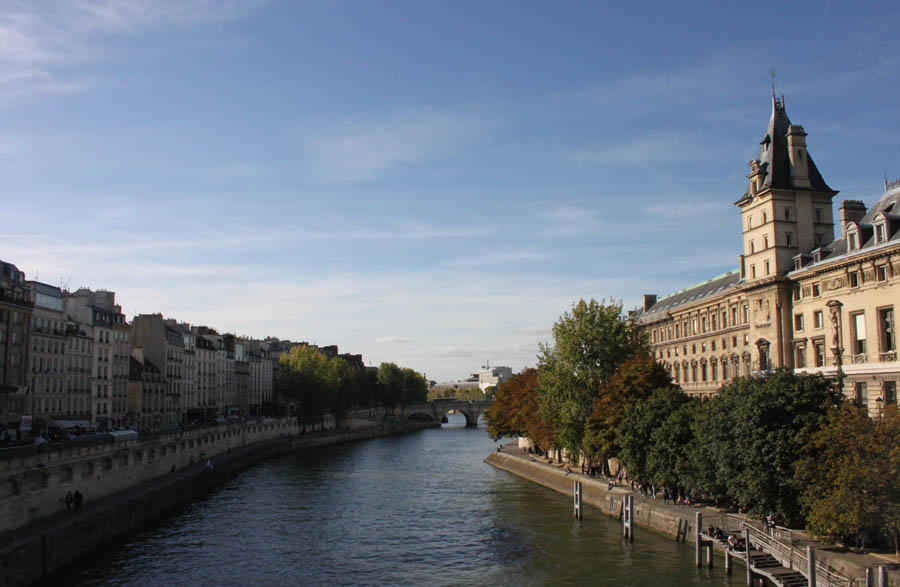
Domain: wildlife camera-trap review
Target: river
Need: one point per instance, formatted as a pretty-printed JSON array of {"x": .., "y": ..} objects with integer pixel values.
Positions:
[{"x": 419, "y": 509}]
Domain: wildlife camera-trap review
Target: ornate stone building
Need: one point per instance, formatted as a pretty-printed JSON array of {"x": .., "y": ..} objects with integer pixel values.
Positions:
[{"x": 800, "y": 298}]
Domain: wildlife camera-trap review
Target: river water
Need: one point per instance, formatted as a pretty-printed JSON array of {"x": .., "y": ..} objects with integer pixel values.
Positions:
[{"x": 419, "y": 509}]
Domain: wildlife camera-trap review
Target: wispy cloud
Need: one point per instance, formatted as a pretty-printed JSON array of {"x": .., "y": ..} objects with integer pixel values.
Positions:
[
  {"x": 363, "y": 150},
  {"x": 653, "y": 148},
  {"x": 37, "y": 40},
  {"x": 571, "y": 220},
  {"x": 712, "y": 78},
  {"x": 498, "y": 258},
  {"x": 675, "y": 207},
  {"x": 394, "y": 340}
]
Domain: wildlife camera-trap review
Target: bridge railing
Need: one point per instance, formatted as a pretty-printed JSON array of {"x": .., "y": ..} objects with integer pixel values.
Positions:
[{"x": 793, "y": 558}]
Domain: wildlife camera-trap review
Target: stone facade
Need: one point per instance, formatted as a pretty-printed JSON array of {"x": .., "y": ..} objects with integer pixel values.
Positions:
[
  {"x": 110, "y": 333},
  {"x": 47, "y": 357},
  {"x": 16, "y": 307},
  {"x": 800, "y": 298}
]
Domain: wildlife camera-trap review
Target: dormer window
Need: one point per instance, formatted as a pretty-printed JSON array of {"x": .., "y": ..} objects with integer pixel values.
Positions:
[
  {"x": 880, "y": 233},
  {"x": 852, "y": 241}
]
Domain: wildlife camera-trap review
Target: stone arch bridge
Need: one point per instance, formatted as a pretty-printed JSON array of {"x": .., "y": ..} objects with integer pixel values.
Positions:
[{"x": 436, "y": 409}]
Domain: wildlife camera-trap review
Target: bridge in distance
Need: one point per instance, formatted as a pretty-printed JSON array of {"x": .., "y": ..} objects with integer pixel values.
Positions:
[{"x": 436, "y": 409}]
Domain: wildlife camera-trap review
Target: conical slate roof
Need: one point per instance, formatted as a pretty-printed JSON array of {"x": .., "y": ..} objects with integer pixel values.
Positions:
[{"x": 774, "y": 157}]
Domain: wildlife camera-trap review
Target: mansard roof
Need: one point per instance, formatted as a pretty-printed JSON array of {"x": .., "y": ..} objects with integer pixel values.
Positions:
[
  {"x": 704, "y": 289},
  {"x": 887, "y": 209},
  {"x": 774, "y": 157}
]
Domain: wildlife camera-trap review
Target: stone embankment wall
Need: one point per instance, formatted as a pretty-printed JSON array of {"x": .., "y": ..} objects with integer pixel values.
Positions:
[
  {"x": 32, "y": 488},
  {"x": 597, "y": 494},
  {"x": 30, "y": 553},
  {"x": 666, "y": 519}
]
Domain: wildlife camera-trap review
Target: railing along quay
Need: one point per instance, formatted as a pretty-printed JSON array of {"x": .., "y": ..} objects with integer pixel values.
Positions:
[{"x": 793, "y": 558}]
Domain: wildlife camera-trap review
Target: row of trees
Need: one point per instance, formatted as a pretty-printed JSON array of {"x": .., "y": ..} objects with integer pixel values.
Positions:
[
  {"x": 784, "y": 443},
  {"x": 465, "y": 393},
  {"x": 316, "y": 386}
]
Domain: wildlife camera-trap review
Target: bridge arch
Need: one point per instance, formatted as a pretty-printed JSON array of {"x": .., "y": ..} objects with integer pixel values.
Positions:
[{"x": 471, "y": 410}]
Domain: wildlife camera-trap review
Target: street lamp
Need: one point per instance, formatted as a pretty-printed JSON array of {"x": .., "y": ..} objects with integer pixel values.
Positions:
[{"x": 879, "y": 403}]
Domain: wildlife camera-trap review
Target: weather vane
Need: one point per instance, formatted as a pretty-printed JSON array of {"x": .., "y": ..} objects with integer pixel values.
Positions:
[{"x": 772, "y": 74}]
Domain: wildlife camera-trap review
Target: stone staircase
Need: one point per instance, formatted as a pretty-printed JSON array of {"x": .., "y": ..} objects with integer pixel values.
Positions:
[{"x": 768, "y": 566}]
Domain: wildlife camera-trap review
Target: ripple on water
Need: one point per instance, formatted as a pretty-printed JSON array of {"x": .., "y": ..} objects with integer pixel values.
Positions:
[{"x": 411, "y": 510}]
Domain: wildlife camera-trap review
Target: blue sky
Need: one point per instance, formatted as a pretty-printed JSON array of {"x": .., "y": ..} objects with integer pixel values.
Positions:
[{"x": 430, "y": 183}]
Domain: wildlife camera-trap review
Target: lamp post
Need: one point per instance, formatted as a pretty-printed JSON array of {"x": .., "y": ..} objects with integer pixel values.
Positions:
[{"x": 879, "y": 403}]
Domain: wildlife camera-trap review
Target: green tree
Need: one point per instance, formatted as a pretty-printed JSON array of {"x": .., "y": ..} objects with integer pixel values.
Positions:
[
  {"x": 669, "y": 461},
  {"x": 634, "y": 381},
  {"x": 641, "y": 423},
  {"x": 304, "y": 379},
  {"x": 341, "y": 378},
  {"x": 850, "y": 474},
  {"x": 391, "y": 386},
  {"x": 754, "y": 432},
  {"x": 589, "y": 344},
  {"x": 470, "y": 394},
  {"x": 415, "y": 386}
]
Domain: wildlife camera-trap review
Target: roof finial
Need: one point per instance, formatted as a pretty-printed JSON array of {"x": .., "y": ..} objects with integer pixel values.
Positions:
[
  {"x": 772, "y": 75},
  {"x": 885, "y": 179}
]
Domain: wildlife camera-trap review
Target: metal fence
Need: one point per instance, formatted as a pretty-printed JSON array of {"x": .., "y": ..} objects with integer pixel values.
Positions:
[{"x": 794, "y": 558}]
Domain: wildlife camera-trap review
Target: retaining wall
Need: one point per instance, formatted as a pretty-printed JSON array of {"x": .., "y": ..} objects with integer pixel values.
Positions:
[
  {"x": 666, "y": 519},
  {"x": 34, "y": 488},
  {"x": 30, "y": 553},
  {"x": 597, "y": 494}
]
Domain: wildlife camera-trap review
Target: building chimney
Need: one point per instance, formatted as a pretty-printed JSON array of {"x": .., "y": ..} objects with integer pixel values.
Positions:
[
  {"x": 649, "y": 300},
  {"x": 796, "y": 139},
  {"x": 851, "y": 211}
]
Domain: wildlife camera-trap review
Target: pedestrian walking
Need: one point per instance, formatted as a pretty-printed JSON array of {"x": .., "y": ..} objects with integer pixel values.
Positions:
[
  {"x": 68, "y": 500},
  {"x": 77, "y": 498}
]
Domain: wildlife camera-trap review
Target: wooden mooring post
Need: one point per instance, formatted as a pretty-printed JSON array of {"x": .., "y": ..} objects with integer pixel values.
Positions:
[
  {"x": 578, "y": 497},
  {"x": 628, "y": 517},
  {"x": 681, "y": 532},
  {"x": 701, "y": 544},
  {"x": 728, "y": 560},
  {"x": 811, "y": 565},
  {"x": 882, "y": 576},
  {"x": 747, "y": 557}
]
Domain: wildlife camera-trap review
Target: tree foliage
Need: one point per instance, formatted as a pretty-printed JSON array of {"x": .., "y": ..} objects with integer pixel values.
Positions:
[
  {"x": 634, "y": 381},
  {"x": 312, "y": 381},
  {"x": 398, "y": 386},
  {"x": 515, "y": 411},
  {"x": 850, "y": 474},
  {"x": 589, "y": 344},
  {"x": 753, "y": 432},
  {"x": 652, "y": 435}
]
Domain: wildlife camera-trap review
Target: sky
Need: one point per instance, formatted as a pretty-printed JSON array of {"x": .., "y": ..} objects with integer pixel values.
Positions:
[{"x": 429, "y": 183}]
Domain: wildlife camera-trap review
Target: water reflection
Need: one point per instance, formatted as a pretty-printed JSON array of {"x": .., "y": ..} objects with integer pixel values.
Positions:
[{"x": 409, "y": 510}]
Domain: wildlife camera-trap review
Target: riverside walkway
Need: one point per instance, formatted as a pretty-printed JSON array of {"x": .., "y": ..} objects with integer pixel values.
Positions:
[{"x": 675, "y": 519}]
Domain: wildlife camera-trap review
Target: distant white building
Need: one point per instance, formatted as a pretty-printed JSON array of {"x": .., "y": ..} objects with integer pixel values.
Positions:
[{"x": 493, "y": 376}]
